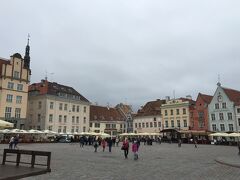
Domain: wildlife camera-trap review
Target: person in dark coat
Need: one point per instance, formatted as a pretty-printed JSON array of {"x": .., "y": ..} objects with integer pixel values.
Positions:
[{"x": 110, "y": 143}]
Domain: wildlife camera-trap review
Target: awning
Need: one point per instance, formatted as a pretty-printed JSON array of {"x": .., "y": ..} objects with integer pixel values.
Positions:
[{"x": 5, "y": 124}]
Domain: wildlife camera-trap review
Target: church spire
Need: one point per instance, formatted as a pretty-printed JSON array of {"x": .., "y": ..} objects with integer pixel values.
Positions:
[{"x": 27, "y": 55}]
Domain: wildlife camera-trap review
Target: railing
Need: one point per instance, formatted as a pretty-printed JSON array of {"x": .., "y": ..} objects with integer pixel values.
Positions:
[{"x": 27, "y": 152}]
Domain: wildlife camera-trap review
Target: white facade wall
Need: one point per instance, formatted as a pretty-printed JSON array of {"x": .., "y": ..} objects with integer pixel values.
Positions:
[
  {"x": 148, "y": 124},
  {"x": 219, "y": 99},
  {"x": 57, "y": 114}
]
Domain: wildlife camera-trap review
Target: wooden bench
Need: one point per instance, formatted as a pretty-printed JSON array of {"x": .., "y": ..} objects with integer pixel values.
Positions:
[{"x": 27, "y": 152}]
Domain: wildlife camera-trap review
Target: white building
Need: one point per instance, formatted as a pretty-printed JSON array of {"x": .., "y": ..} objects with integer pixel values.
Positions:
[
  {"x": 149, "y": 118},
  {"x": 224, "y": 110},
  {"x": 57, "y": 107}
]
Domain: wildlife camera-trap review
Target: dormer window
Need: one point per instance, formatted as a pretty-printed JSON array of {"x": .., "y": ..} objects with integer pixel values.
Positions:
[{"x": 16, "y": 75}]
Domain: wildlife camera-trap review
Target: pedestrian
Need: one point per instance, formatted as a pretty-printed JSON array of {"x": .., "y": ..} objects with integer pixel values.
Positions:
[
  {"x": 110, "y": 143},
  {"x": 135, "y": 150},
  {"x": 81, "y": 141},
  {"x": 103, "y": 144},
  {"x": 125, "y": 148},
  {"x": 179, "y": 142},
  {"x": 11, "y": 142},
  {"x": 95, "y": 145},
  {"x": 195, "y": 143},
  {"x": 15, "y": 141},
  {"x": 117, "y": 141}
]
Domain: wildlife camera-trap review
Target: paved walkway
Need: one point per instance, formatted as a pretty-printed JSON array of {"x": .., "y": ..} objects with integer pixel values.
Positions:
[{"x": 165, "y": 161}]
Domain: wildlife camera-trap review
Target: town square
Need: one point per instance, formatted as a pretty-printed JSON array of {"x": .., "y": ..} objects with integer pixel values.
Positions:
[{"x": 125, "y": 90}]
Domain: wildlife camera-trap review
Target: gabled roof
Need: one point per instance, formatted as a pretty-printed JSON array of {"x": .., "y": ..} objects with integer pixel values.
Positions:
[
  {"x": 53, "y": 88},
  {"x": 233, "y": 95},
  {"x": 100, "y": 113},
  {"x": 151, "y": 108},
  {"x": 206, "y": 98}
]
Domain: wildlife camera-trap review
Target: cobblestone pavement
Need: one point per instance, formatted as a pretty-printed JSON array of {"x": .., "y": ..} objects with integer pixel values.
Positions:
[{"x": 165, "y": 161}]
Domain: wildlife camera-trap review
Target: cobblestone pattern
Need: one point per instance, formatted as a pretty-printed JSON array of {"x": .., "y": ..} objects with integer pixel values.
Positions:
[{"x": 165, "y": 161}]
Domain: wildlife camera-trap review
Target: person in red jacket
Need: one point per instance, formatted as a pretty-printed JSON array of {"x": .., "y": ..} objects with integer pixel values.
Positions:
[
  {"x": 135, "y": 150},
  {"x": 103, "y": 144},
  {"x": 125, "y": 148}
]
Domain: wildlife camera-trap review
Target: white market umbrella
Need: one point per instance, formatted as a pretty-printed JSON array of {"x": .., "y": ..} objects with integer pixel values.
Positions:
[
  {"x": 123, "y": 134},
  {"x": 143, "y": 134},
  {"x": 234, "y": 135},
  {"x": 219, "y": 135},
  {"x": 105, "y": 135},
  {"x": 5, "y": 124}
]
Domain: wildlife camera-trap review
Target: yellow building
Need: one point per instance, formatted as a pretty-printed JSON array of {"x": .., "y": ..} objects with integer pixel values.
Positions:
[
  {"x": 15, "y": 78},
  {"x": 176, "y": 113}
]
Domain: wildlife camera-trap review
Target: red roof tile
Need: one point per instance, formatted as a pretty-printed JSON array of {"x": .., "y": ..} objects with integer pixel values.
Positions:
[
  {"x": 151, "y": 108},
  {"x": 100, "y": 113},
  {"x": 206, "y": 98},
  {"x": 233, "y": 95}
]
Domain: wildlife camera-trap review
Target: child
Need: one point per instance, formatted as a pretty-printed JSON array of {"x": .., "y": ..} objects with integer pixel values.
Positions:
[{"x": 135, "y": 150}]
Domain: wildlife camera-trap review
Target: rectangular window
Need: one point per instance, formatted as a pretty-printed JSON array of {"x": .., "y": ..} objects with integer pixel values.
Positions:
[
  {"x": 51, "y": 105},
  {"x": 16, "y": 75},
  {"x": 84, "y": 109},
  {"x": 171, "y": 112},
  {"x": 97, "y": 125},
  {"x": 238, "y": 110},
  {"x": 151, "y": 124},
  {"x": 222, "y": 127},
  {"x": 238, "y": 121},
  {"x": 72, "y": 129},
  {"x": 108, "y": 126},
  {"x": 217, "y": 106},
  {"x": 147, "y": 125},
  {"x": 166, "y": 113},
  {"x": 77, "y": 119},
  {"x": 8, "y": 111},
  {"x": 84, "y": 120},
  {"x": 77, "y": 128},
  {"x": 178, "y": 124},
  {"x": 177, "y": 111},
  {"x": 214, "y": 127},
  {"x": 59, "y": 129},
  {"x": 65, "y": 119},
  {"x": 84, "y": 129},
  {"x": 73, "y": 108},
  {"x": 19, "y": 87},
  {"x": 159, "y": 124},
  {"x": 143, "y": 125},
  {"x": 19, "y": 99},
  {"x": 166, "y": 124},
  {"x": 10, "y": 85},
  {"x": 90, "y": 124},
  {"x": 9, "y": 98},
  {"x": 221, "y": 117},
  {"x": 155, "y": 124},
  {"x": 139, "y": 125},
  {"x": 39, "y": 118},
  {"x": 39, "y": 104},
  {"x": 230, "y": 127},
  {"x": 114, "y": 126},
  {"x": 50, "y": 119},
  {"x": 185, "y": 123},
  {"x": 73, "y": 119},
  {"x": 60, "y": 106},
  {"x": 172, "y": 123},
  {"x": 60, "y": 118},
  {"x": 18, "y": 113},
  {"x": 64, "y": 129},
  {"x": 229, "y": 116},
  {"x": 201, "y": 116},
  {"x": 50, "y": 128},
  {"x": 184, "y": 111},
  {"x": 77, "y": 108},
  {"x": 213, "y": 117},
  {"x": 65, "y": 107},
  {"x": 224, "y": 105}
]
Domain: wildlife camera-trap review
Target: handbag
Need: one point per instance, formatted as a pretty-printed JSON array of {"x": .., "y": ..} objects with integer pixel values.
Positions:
[{"x": 122, "y": 148}]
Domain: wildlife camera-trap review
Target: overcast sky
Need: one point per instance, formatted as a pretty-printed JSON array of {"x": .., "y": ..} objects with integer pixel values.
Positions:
[{"x": 130, "y": 51}]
